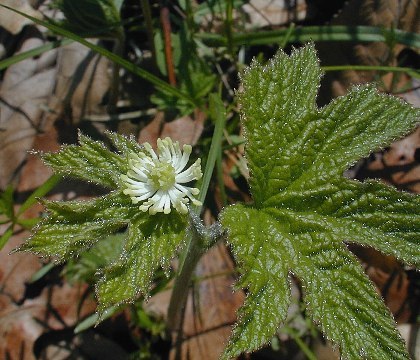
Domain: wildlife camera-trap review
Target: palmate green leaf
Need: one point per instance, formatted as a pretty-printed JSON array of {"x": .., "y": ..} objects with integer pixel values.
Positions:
[
  {"x": 152, "y": 242},
  {"x": 304, "y": 209},
  {"x": 73, "y": 227}
]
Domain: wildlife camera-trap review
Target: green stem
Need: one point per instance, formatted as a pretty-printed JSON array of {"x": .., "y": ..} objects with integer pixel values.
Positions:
[
  {"x": 221, "y": 183},
  {"x": 188, "y": 262},
  {"x": 217, "y": 112},
  {"x": 149, "y": 27},
  {"x": 228, "y": 26},
  {"x": 287, "y": 36},
  {"x": 115, "y": 84},
  {"x": 314, "y": 33},
  {"x": 371, "y": 68},
  {"x": 200, "y": 237},
  {"x": 33, "y": 52}
]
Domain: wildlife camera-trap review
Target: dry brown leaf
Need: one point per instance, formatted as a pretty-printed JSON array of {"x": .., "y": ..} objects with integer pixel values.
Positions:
[
  {"x": 79, "y": 80},
  {"x": 24, "y": 90},
  {"x": 263, "y": 13},
  {"x": 16, "y": 269},
  {"x": 26, "y": 314},
  {"x": 151, "y": 132},
  {"x": 394, "y": 289},
  {"x": 21, "y": 324},
  {"x": 18, "y": 329},
  {"x": 399, "y": 164},
  {"x": 13, "y": 22},
  {"x": 82, "y": 81},
  {"x": 211, "y": 307},
  {"x": 88, "y": 97},
  {"x": 390, "y": 278},
  {"x": 186, "y": 130}
]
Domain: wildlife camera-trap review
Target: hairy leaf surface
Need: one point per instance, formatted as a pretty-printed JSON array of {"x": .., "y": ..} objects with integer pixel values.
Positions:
[
  {"x": 304, "y": 209},
  {"x": 73, "y": 227},
  {"x": 91, "y": 161},
  {"x": 152, "y": 241}
]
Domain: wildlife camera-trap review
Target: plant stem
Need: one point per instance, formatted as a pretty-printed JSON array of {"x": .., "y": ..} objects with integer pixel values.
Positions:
[
  {"x": 220, "y": 180},
  {"x": 145, "y": 6},
  {"x": 217, "y": 112},
  {"x": 166, "y": 29},
  {"x": 313, "y": 33},
  {"x": 228, "y": 26},
  {"x": 194, "y": 251},
  {"x": 201, "y": 238},
  {"x": 115, "y": 84},
  {"x": 372, "y": 68}
]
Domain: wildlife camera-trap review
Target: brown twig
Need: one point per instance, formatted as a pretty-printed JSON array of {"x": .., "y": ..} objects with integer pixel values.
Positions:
[{"x": 166, "y": 27}]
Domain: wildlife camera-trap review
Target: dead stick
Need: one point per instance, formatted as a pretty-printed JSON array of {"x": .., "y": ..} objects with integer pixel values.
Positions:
[{"x": 166, "y": 27}]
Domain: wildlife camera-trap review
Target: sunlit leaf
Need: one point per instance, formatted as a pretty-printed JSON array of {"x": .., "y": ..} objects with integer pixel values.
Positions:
[{"x": 304, "y": 209}]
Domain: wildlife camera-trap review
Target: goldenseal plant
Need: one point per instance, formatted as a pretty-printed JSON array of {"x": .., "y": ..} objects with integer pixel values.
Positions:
[
  {"x": 302, "y": 215},
  {"x": 135, "y": 175}
]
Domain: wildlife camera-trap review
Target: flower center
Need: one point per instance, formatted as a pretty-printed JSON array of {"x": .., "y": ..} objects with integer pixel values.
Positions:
[{"x": 162, "y": 176}]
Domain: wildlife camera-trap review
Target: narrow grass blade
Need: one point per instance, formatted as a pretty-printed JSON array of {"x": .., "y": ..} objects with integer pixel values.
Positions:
[
  {"x": 412, "y": 72},
  {"x": 316, "y": 33},
  {"x": 33, "y": 52},
  {"x": 41, "y": 191},
  {"x": 42, "y": 272},
  {"x": 217, "y": 112},
  {"x": 6, "y": 236},
  {"x": 160, "y": 84}
]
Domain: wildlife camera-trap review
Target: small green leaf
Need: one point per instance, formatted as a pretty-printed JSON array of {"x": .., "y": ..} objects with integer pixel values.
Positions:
[
  {"x": 6, "y": 236},
  {"x": 42, "y": 272},
  {"x": 123, "y": 144},
  {"x": 7, "y": 202},
  {"x": 305, "y": 209},
  {"x": 152, "y": 242},
  {"x": 91, "y": 17},
  {"x": 90, "y": 161},
  {"x": 75, "y": 226},
  {"x": 93, "y": 319},
  {"x": 103, "y": 253}
]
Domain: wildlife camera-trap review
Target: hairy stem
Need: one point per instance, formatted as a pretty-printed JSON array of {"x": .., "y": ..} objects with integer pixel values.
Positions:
[
  {"x": 201, "y": 238},
  {"x": 194, "y": 251}
]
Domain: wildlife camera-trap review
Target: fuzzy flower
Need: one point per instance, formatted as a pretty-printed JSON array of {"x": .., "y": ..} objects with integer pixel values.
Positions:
[{"x": 156, "y": 179}]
